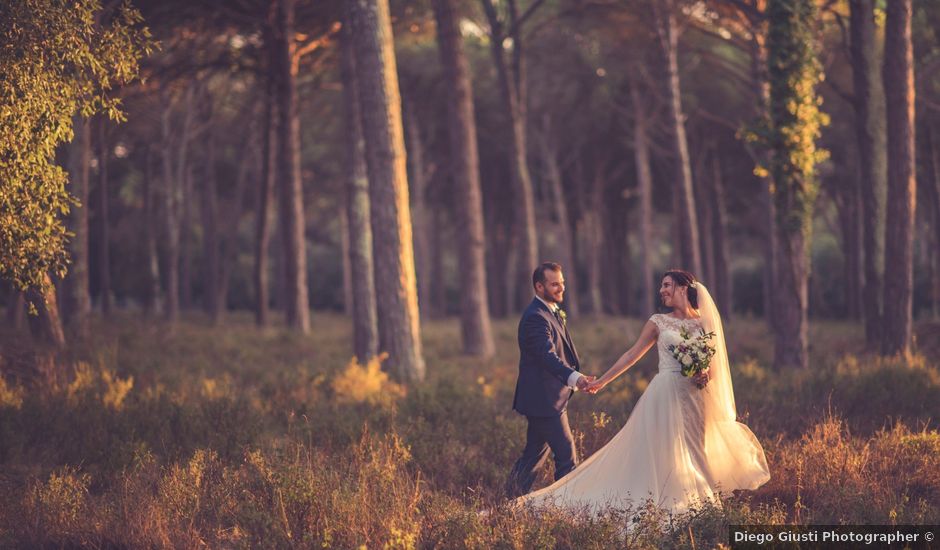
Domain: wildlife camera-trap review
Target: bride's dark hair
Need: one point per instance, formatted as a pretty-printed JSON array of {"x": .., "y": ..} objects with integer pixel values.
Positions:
[{"x": 683, "y": 278}]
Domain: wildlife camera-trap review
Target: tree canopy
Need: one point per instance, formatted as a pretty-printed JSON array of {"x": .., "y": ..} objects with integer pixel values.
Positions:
[{"x": 57, "y": 59}]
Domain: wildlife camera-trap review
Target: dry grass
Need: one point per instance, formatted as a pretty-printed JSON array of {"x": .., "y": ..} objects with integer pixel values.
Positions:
[{"x": 234, "y": 437}]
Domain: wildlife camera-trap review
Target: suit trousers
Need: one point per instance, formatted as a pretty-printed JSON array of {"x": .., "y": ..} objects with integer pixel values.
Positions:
[{"x": 543, "y": 434}]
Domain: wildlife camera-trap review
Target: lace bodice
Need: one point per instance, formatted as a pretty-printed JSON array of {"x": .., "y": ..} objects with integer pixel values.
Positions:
[{"x": 669, "y": 328}]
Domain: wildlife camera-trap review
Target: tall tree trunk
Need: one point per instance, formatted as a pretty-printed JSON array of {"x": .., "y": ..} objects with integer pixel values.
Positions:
[
  {"x": 439, "y": 286},
  {"x": 619, "y": 267},
  {"x": 497, "y": 250},
  {"x": 420, "y": 213},
  {"x": 593, "y": 232},
  {"x": 16, "y": 310},
  {"x": 686, "y": 219},
  {"x": 46, "y": 325},
  {"x": 186, "y": 239},
  {"x": 210, "y": 233},
  {"x": 902, "y": 197},
  {"x": 761, "y": 82},
  {"x": 77, "y": 284},
  {"x": 795, "y": 122},
  {"x": 399, "y": 323},
  {"x": 641, "y": 155},
  {"x": 361, "y": 266},
  {"x": 475, "y": 326},
  {"x": 848, "y": 208},
  {"x": 703, "y": 208},
  {"x": 933, "y": 185},
  {"x": 174, "y": 169},
  {"x": 266, "y": 186},
  {"x": 345, "y": 252},
  {"x": 722, "y": 274},
  {"x": 512, "y": 90},
  {"x": 291, "y": 189},
  {"x": 150, "y": 236},
  {"x": 549, "y": 154},
  {"x": 870, "y": 135},
  {"x": 104, "y": 222}
]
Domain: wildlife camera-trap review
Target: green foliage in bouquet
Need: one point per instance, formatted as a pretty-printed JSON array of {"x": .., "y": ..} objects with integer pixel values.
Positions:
[{"x": 694, "y": 354}]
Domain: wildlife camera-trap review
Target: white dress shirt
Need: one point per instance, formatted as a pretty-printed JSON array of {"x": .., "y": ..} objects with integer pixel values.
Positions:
[{"x": 575, "y": 376}]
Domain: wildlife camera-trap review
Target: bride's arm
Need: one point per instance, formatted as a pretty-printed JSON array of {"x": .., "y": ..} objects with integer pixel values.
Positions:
[{"x": 643, "y": 343}]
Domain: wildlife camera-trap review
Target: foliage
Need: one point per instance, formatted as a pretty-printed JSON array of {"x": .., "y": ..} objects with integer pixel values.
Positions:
[
  {"x": 795, "y": 119},
  {"x": 57, "y": 59},
  {"x": 240, "y": 438}
]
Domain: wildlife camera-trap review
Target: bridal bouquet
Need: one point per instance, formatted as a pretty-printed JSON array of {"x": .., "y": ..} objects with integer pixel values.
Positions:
[{"x": 694, "y": 354}]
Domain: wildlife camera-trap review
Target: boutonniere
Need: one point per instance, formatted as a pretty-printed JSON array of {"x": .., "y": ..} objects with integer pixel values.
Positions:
[{"x": 563, "y": 316}]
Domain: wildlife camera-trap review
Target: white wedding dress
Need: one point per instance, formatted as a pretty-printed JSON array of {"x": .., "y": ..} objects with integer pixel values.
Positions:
[{"x": 681, "y": 445}]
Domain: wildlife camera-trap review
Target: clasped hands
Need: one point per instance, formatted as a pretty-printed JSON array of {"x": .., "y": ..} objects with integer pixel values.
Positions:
[
  {"x": 592, "y": 385},
  {"x": 589, "y": 384}
]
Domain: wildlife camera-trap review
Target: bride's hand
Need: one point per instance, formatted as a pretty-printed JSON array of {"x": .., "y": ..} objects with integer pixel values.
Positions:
[
  {"x": 595, "y": 386},
  {"x": 701, "y": 379}
]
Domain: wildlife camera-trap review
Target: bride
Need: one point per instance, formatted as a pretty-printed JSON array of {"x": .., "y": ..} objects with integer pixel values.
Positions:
[{"x": 681, "y": 445}]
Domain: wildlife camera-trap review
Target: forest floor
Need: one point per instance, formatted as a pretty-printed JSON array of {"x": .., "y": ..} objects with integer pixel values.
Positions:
[{"x": 239, "y": 437}]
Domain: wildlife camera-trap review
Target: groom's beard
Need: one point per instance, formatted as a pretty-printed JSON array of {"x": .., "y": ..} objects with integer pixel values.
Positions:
[{"x": 550, "y": 298}]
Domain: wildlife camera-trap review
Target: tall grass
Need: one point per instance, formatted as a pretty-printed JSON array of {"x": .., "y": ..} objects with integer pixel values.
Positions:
[{"x": 236, "y": 437}]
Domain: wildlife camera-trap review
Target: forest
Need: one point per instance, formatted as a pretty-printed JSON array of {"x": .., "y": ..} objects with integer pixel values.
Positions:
[{"x": 263, "y": 261}]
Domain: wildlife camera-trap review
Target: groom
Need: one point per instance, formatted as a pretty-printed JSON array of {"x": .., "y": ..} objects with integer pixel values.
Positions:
[{"x": 548, "y": 375}]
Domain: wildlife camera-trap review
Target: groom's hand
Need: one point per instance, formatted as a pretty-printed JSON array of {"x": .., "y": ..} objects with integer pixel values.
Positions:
[{"x": 584, "y": 382}]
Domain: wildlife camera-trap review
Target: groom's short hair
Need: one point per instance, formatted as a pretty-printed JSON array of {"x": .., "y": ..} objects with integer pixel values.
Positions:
[{"x": 539, "y": 275}]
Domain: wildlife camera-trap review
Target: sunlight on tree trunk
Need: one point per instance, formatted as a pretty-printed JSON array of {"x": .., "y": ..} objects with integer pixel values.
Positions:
[
  {"x": 902, "y": 184},
  {"x": 870, "y": 134},
  {"x": 361, "y": 264},
  {"x": 794, "y": 127},
  {"x": 293, "y": 226},
  {"x": 475, "y": 326},
  {"x": 396, "y": 287}
]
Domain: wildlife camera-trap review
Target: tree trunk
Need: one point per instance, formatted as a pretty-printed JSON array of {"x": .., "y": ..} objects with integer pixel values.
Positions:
[
  {"x": 593, "y": 232},
  {"x": 174, "y": 168},
  {"x": 513, "y": 95},
  {"x": 399, "y": 323},
  {"x": 686, "y": 219},
  {"x": 345, "y": 252},
  {"x": 439, "y": 286},
  {"x": 104, "y": 230},
  {"x": 722, "y": 273},
  {"x": 420, "y": 213},
  {"x": 361, "y": 265},
  {"x": 794, "y": 75},
  {"x": 210, "y": 234},
  {"x": 16, "y": 310},
  {"x": 902, "y": 197},
  {"x": 266, "y": 186},
  {"x": 46, "y": 325},
  {"x": 848, "y": 209},
  {"x": 465, "y": 166},
  {"x": 762, "y": 157},
  {"x": 152, "y": 305},
  {"x": 870, "y": 135},
  {"x": 644, "y": 176},
  {"x": 293, "y": 226},
  {"x": 703, "y": 208},
  {"x": 553, "y": 178},
  {"x": 186, "y": 239},
  {"x": 933, "y": 185},
  {"x": 77, "y": 284}
]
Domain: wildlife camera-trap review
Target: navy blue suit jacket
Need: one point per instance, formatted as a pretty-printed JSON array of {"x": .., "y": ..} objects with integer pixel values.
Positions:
[{"x": 547, "y": 357}]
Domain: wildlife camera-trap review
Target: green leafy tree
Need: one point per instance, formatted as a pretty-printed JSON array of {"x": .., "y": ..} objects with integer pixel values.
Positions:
[
  {"x": 793, "y": 130},
  {"x": 57, "y": 59}
]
